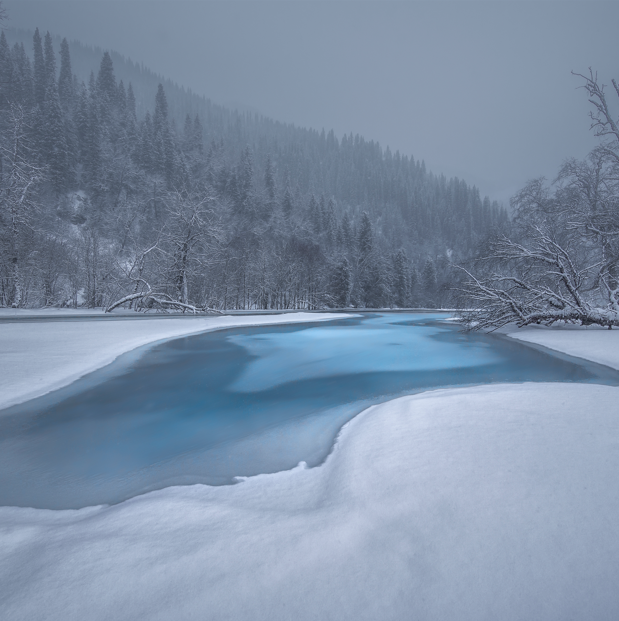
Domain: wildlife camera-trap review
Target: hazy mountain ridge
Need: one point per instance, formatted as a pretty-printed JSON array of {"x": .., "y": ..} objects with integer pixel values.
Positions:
[{"x": 429, "y": 219}]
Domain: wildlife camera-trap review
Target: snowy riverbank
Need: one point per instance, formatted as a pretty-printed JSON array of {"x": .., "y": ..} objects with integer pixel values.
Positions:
[
  {"x": 592, "y": 343},
  {"x": 38, "y": 357},
  {"x": 495, "y": 502}
]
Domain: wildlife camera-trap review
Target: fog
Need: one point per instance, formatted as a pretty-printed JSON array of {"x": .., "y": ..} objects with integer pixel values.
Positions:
[{"x": 479, "y": 90}]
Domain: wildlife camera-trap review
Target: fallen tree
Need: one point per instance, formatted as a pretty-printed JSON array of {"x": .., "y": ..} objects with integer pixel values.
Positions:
[
  {"x": 561, "y": 260},
  {"x": 543, "y": 283}
]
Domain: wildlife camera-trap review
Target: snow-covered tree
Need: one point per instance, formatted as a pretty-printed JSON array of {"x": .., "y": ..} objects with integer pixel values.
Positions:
[
  {"x": 562, "y": 262},
  {"x": 341, "y": 284}
]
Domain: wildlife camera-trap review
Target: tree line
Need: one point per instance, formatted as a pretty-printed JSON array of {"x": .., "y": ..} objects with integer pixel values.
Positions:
[{"x": 208, "y": 208}]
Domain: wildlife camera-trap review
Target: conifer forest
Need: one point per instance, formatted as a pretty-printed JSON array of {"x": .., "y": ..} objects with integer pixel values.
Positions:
[{"x": 137, "y": 193}]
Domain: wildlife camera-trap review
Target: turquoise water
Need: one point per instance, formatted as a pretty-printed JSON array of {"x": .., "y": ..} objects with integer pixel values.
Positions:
[{"x": 209, "y": 408}]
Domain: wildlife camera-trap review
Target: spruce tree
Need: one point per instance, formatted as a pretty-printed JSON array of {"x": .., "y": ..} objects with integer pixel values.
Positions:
[
  {"x": 50, "y": 61},
  {"x": 314, "y": 214},
  {"x": 54, "y": 141},
  {"x": 121, "y": 98},
  {"x": 93, "y": 153},
  {"x": 341, "y": 284},
  {"x": 413, "y": 287},
  {"x": 131, "y": 110},
  {"x": 146, "y": 146},
  {"x": 287, "y": 203},
  {"x": 131, "y": 126},
  {"x": 375, "y": 289},
  {"x": 429, "y": 278},
  {"x": 22, "y": 83},
  {"x": 65, "y": 79},
  {"x": 198, "y": 135},
  {"x": 7, "y": 74},
  {"x": 160, "y": 117},
  {"x": 188, "y": 135},
  {"x": 171, "y": 160},
  {"x": 106, "y": 82},
  {"x": 330, "y": 223},
  {"x": 400, "y": 279},
  {"x": 106, "y": 93},
  {"x": 40, "y": 76},
  {"x": 244, "y": 177},
  {"x": 347, "y": 232},
  {"x": 269, "y": 179},
  {"x": 81, "y": 120},
  {"x": 365, "y": 242}
]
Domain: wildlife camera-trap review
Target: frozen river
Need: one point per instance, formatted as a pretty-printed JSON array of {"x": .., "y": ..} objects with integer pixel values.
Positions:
[{"x": 240, "y": 402}]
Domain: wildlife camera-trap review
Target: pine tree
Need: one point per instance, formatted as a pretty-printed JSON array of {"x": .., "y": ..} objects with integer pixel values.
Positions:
[
  {"x": 146, "y": 146},
  {"x": 314, "y": 214},
  {"x": 81, "y": 120},
  {"x": 171, "y": 159},
  {"x": 40, "y": 76},
  {"x": 400, "y": 279},
  {"x": 269, "y": 179},
  {"x": 131, "y": 110},
  {"x": 198, "y": 136},
  {"x": 54, "y": 141},
  {"x": 106, "y": 82},
  {"x": 22, "y": 82},
  {"x": 92, "y": 144},
  {"x": 287, "y": 203},
  {"x": 374, "y": 286},
  {"x": 330, "y": 223},
  {"x": 428, "y": 277},
  {"x": 50, "y": 61},
  {"x": 341, "y": 278},
  {"x": 188, "y": 135},
  {"x": 106, "y": 93},
  {"x": 7, "y": 74},
  {"x": 131, "y": 126},
  {"x": 65, "y": 79},
  {"x": 347, "y": 232},
  {"x": 413, "y": 287},
  {"x": 365, "y": 242},
  {"x": 160, "y": 117}
]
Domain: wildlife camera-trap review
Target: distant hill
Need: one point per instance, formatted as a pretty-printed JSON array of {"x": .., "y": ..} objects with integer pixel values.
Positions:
[{"x": 318, "y": 189}]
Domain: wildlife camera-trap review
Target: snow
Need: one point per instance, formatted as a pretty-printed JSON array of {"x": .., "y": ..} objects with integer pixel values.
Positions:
[
  {"x": 596, "y": 344},
  {"x": 38, "y": 357},
  {"x": 494, "y": 502}
]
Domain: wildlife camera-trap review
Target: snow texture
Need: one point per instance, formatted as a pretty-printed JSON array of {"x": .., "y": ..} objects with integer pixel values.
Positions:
[
  {"x": 495, "y": 502},
  {"x": 593, "y": 343},
  {"x": 36, "y": 358}
]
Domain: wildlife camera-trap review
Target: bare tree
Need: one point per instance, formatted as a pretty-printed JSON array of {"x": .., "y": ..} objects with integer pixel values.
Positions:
[
  {"x": 562, "y": 262},
  {"x": 161, "y": 274},
  {"x": 541, "y": 282},
  {"x": 602, "y": 122},
  {"x": 17, "y": 205}
]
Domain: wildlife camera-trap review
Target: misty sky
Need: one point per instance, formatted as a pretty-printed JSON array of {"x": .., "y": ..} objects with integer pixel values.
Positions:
[{"x": 481, "y": 90}]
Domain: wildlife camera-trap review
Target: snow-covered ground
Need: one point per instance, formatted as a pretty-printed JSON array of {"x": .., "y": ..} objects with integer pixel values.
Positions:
[
  {"x": 38, "y": 357},
  {"x": 592, "y": 343},
  {"x": 496, "y": 502}
]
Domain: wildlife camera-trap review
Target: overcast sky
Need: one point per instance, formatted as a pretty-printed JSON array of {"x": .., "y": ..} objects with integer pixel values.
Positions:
[{"x": 480, "y": 90}]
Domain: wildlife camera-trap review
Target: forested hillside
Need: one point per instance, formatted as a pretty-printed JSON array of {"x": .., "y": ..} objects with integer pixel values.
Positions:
[{"x": 186, "y": 204}]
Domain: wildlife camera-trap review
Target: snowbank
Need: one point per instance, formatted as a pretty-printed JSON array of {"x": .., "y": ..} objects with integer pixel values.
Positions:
[
  {"x": 38, "y": 357},
  {"x": 484, "y": 503},
  {"x": 595, "y": 344},
  {"x": 497, "y": 502}
]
